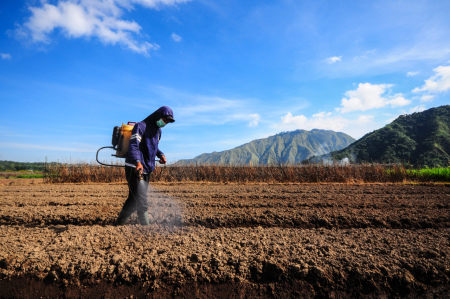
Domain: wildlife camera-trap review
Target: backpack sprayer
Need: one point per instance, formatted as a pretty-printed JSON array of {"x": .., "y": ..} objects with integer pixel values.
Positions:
[{"x": 120, "y": 142}]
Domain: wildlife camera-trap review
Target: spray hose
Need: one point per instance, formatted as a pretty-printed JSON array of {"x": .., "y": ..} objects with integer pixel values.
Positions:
[{"x": 96, "y": 157}]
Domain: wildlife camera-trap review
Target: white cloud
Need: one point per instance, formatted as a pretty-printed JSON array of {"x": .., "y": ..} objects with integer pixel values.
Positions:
[
  {"x": 412, "y": 74},
  {"x": 218, "y": 111},
  {"x": 175, "y": 37},
  {"x": 322, "y": 114},
  {"x": 206, "y": 104},
  {"x": 440, "y": 82},
  {"x": 398, "y": 101},
  {"x": 333, "y": 59},
  {"x": 151, "y": 3},
  {"x": 382, "y": 61},
  {"x": 255, "y": 120},
  {"x": 427, "y": 98},
  {"x": 417, "y": 109},
  {"x": 195, "y": 109},
  {"x": 90, "y": 18},
  {"x": 370, "y": 96},
  {"x": 364, "y": 119},
  {"x": 5, "y": 56},
  {"x": 327, "y": 121},
  {"x": 410, "y": 111},
  {"x": 364, "y": 56},
  {"x": 291, "y": 122}
]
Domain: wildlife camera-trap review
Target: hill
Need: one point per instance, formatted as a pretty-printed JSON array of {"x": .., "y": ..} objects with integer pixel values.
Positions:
[
  {"x": 287, "y": 147},
  {"x": 421, "y": 139}
]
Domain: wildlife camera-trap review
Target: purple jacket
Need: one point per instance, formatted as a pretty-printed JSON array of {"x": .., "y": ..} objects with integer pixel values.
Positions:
[{"x": 144, "y": 141}]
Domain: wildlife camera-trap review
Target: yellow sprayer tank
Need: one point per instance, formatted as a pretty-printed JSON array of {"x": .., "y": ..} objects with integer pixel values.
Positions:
[{"x": 125, "y": 142}]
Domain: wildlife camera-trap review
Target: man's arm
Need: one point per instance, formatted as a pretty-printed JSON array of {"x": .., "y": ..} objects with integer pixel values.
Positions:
[
  {"x": 161, "y": 157},
  {"x": 133, "y": 148}
]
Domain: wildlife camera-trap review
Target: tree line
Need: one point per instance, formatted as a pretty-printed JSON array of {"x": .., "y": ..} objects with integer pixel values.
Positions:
[{"x": 17, "y": 166}]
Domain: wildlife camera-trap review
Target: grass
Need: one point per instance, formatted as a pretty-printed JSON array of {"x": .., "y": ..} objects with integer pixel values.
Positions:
[
  {"x": 21, "y": 175},
  {"x": 30, "y": 176},
  {"x": 364, "y": 173},
  {"x": 433, "y": 174}
]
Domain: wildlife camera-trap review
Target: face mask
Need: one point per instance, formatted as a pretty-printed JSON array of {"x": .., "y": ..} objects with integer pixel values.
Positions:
[{"x": 160, "y": 123}]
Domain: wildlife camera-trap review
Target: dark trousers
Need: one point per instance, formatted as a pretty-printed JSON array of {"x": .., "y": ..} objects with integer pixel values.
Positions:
[{"x": 137, "y": 194}]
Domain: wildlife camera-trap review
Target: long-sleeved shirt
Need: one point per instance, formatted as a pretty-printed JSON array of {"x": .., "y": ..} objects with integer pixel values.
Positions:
[{"x": 144, "y": 141}]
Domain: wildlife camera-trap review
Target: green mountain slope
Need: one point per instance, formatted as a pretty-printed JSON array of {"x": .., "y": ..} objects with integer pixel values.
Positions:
[
  {"x": 288, "y": 147},
  {"x": 422, "y": 139}
]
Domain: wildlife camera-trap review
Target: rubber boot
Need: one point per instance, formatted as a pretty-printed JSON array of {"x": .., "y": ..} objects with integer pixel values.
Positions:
[
  {"x": 143, "y": 218},
  {"x": 122, "y": 219}
]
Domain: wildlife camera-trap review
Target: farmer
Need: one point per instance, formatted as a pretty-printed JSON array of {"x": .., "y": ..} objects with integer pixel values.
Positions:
[{"x": 140, "y": 163}]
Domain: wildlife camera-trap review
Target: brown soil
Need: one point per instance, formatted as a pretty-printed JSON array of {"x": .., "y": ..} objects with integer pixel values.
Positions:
[{"x": 225, "y": 241}]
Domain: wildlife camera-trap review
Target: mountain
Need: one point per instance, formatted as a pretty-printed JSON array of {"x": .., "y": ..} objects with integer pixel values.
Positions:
[
  {"x": 287, "y": 147},
  {"x": 421, "y": 139}
]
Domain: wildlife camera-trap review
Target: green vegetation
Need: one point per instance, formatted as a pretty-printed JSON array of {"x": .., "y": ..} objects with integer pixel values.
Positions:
[
  {"x": 30, "y": 176},
  {"x": 432, "y": 174},
  {"x": 17, "y": 166},
  {"x": 284, "y": 148},
  {"x": 21, "y": 174},
  {"x": 420, "y": 139}
]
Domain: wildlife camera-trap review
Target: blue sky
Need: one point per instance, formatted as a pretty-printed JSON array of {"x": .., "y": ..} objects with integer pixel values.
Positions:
[{"x": 232, "y": 71}]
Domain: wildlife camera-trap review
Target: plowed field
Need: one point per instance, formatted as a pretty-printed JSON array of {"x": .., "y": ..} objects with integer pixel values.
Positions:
[{"x": 225, "y": 241}]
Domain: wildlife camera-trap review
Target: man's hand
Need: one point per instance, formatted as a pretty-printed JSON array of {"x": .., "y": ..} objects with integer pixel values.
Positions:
[
  {"x": 163, "y": 160},
  {"x": 139, "y": 168}
]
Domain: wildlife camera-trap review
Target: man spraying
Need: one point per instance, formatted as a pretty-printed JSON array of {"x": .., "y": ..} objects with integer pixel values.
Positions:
[{"x": 140, "y": 163}]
